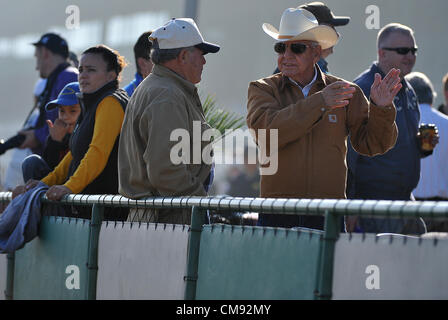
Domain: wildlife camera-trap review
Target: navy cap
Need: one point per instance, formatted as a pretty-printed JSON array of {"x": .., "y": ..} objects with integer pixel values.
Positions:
[
  {"x": 324, "y": 15},
  {"x": 54, "y": 43},
  {"x": 67, "y": 97}
]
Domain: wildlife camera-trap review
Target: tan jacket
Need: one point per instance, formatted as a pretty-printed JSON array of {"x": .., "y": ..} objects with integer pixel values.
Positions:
[
  {"x": 313, "y": 139},
  {"x": 163, "y": 102}
]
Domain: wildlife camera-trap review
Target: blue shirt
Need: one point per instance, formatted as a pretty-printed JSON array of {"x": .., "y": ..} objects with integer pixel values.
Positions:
[
  {"x": 396, "y": 173},
  {"x": 133, "y": 84}
]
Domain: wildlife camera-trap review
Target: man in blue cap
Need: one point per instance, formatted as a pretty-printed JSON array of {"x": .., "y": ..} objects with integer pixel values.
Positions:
[{"x": 51, "y": 52}]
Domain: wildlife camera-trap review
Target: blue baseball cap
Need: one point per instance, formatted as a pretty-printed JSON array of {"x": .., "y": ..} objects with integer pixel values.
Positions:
[{"x": 67, "y": 97}]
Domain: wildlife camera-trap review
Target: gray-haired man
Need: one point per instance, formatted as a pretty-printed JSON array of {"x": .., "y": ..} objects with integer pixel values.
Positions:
[{"x": 166, "y": 102}]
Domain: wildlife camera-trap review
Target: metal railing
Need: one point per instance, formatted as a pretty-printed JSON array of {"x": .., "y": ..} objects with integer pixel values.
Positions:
[{"x": 331, "y": 209}]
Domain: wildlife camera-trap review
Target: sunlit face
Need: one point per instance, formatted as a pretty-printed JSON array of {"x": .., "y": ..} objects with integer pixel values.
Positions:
[
  {"x": 93, "y": 73},
  {"x": 69, "y": 115},
  {"x": 391, "y": 59},
  {"x": 194, "y": 62},
  {"x": 299, "y": 67}
]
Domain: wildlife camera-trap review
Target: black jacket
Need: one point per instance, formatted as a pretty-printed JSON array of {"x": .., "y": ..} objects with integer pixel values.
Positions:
[{"x": 107, "y": 181}]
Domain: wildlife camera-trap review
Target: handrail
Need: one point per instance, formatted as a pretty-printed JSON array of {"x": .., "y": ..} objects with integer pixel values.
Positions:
[{"x": 377, "y": 208}]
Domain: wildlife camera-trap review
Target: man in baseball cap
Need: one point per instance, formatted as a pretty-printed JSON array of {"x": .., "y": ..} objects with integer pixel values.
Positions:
[
  {"x": 324, "y": 16},
  {"x": 164, "y": 104},
  {"x": 54, "y": 43},
  {"x": 182, "y": 33}
]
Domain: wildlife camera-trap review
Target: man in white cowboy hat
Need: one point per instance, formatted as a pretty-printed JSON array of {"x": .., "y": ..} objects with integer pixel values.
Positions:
[
  {"x": 313, "y": 113},
  {"x": 164, "y": 103}
]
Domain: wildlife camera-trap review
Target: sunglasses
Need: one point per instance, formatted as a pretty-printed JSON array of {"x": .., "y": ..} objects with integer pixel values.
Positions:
[
  {"x": 296, "y": 48},
  {"x": 402, "y": 50}
]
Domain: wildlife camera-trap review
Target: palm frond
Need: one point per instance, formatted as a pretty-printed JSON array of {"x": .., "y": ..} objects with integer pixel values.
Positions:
[{"x": 220, "y": 119}]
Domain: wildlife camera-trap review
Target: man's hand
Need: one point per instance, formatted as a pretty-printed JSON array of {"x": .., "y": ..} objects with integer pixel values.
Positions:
[
  {"x": 55, "y": 193},
  {"x": 18, "y": 191},
  {"x": 338, "y": 94},
  {"x": 58, "y": 129},
  {"x": 383, "y": 92},
  {"x": 30, "y": 140},
  {"x": 24, "y": 188}
]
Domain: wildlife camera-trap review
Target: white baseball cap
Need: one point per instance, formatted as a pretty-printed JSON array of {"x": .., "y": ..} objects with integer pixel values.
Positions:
[{"x": 181, "y": 33}]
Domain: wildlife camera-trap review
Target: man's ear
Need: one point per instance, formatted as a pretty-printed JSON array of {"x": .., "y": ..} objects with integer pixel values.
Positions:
[{"x": 183, "y": 56}]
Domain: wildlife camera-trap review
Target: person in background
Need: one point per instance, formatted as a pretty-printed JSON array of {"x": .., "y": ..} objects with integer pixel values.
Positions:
[
  {"x": 51, "y": 52},
  {"x": 393, "y": 175},
  {"x": 164, "y": 102},
  {"x": 312, "y": 114},
  {"x": 142, "y": 48},
  {"x": 444, "y": 107},
  {"x": 433, "y": 184},
  {"x": 324, "y": 16},
  {"x": 90, "y": 167},
  {"x": 57, "y": 146},
  {"x": 13, "y": 175}
]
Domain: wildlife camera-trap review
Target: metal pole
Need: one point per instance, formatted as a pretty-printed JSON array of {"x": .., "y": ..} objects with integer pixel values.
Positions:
[
  {"x": 191, "y": 9},
  {"x": 197, "y": 220},
  {"x": 10, "y": 276},
  {"x": 331, "y": 234},
  {"x": 92, "y": 259}
]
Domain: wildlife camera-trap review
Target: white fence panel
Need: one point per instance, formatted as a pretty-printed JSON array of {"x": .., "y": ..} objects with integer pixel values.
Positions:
[
  {"x": 390, "y": 267},
  {"x": 146, "y": 261}
]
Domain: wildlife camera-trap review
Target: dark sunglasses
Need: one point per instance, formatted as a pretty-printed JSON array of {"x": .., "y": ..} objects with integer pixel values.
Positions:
[
  {"x": 402, "y": 50},
  {"x": 296, "y": 48}
]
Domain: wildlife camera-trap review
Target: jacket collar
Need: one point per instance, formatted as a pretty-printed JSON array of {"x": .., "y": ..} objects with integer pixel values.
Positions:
[{"x": 162, "y": 71}]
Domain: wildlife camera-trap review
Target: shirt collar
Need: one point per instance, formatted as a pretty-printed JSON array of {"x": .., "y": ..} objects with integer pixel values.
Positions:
[
  {"x": 308, "y": 86},
  {"x": 319, "y": 77}
]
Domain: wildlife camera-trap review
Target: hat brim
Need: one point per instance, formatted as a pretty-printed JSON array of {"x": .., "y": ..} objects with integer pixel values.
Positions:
[
  {"x": 208, "y": 47},
  {"x": 60, "y": 103},
  {"x": 324, "y": 35},
  {"x": 52, "y": 105},
  {"x": 340, "y": 21}
]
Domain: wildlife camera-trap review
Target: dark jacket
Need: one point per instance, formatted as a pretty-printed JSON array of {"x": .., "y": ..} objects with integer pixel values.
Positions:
[
  {"x": 107, "y": 181},
  {"x": 55, "y": 151},
  {"x": 396, "y": 173}
]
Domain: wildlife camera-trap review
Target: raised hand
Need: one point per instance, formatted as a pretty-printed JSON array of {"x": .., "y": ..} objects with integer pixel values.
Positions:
[
  {"x": 383, "y": 92},
  {"x": 338, "y": 94},
  {"x": 58, "y": 129}
]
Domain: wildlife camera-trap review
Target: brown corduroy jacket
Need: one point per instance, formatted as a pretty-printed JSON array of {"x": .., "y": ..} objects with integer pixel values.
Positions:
[{"x": 312, "y": 139}]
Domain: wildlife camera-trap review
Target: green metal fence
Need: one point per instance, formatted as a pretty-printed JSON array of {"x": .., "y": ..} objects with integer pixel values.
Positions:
[{"x": 262, "y": 250}]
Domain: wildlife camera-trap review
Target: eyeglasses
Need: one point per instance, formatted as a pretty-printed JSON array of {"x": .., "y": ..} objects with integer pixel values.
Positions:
[
  {"x": 296, "y": 48},
  {"x": 402, "y": 50}
]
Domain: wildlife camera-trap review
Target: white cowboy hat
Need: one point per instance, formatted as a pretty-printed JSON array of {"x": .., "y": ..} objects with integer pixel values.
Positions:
[{"x": 298, "y": 24}]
